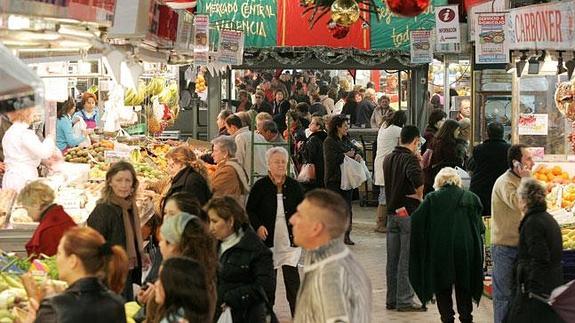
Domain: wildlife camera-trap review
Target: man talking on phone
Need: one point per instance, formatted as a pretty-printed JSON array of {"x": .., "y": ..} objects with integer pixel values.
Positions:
[
  {"x": 403, "y": 180},
  {"x": 505, "y": 219}
]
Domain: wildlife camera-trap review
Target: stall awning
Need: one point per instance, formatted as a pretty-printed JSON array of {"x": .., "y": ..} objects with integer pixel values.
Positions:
[{"x": 18, "y": 81}]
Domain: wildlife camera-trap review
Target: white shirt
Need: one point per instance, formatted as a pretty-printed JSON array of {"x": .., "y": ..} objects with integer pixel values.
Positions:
[
  {"x": 243, "y": 139},
  {"x": 387, "y": 140},
  {"x": 23, "y": 152}
]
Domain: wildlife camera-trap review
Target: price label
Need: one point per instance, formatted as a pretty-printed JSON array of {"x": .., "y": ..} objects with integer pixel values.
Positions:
[{"x": 112, "y": 156}]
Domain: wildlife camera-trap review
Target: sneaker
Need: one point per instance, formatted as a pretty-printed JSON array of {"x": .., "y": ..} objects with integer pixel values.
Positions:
[{"x": 412, "y": 308}]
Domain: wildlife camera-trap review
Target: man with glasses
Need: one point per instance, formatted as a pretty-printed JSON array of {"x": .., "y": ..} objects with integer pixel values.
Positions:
[{"x": 261, "y": 105}]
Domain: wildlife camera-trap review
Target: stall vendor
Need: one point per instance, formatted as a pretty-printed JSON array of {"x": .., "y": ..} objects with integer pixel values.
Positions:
[
  {"x": 88, "y": 110},
  {"x": 65, "y": 136}
]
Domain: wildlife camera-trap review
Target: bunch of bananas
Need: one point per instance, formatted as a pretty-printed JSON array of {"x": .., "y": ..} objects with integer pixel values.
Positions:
[
  {"x": 200, "y": 83},
  {"x": 133, "y": 97},
  {"x": 93, "y": 89},
  {"x": 170, "y": 95},
  {"x": 156, "y": 85}
]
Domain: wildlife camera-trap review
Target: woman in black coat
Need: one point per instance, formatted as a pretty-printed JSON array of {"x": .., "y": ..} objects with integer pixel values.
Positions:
[
  {"x": 350, "y": 107},
  {"x": 246, "y": 280},
  {"x": 335, "y": 147},
  {"x": 538, "y": 270},
  {"x": 313, "y": 152}
]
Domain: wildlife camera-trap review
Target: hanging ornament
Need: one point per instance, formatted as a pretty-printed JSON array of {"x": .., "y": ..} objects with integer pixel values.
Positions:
[
  {"x": 305, "y": 3},
  {"x": 407, "y": 8},
  {"x": 344, "y": 12},
  {"x": 337, "y": 31}
]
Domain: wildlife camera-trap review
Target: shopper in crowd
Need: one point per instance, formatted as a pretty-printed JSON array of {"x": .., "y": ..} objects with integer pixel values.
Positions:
[
  {"x": 464, "y": 138},
  {"x": 88, "y": 110},
  {"x": 303, "y": 110},
  {"x": 260, "y": 119},
  {"x": 539, "y": 268},
  {"x": 365, "y": 109},
  {"x": 187, "y": 174},
  {"x": 436, "y": 119},
  {"x": 387, "y": 139},
  {"x": 244, "y": 103},
  {"x": 299, "y": 94},
  {"x": 182, "y": 292},
  {"x": 312, "y": 152},
  {"x": 340, "y": 102},
  {"x": 280, "y": 104},
  {"x": 150, "y": 236},
  {"x": 317, "y": 107},
  {"x": 116, "y": 218},
  {"x": 65, "y": 136},
  {"x": 37, "y": 199},
  {"x": 381, "y": 113},
  {"x": 335, "y": 287},
  {"x": 464, "y": 110},
  {"x": 271, "y": 133},
  {"x": 505, "y": 219},
  {"x": 403, "y": 180},
  {"x": 446, "y": 249},
  {"x": 246, "y": 280},
  {"x": 350, "y": 107},
  {"x": 23, "y": 150},
  {"x": 230, "y": 178},
  {"x": 184, "y": 202},
  {"x": 221, "y": 121},
  {"x": 243, "y": 139},
  {"x": 272, "y": 202},
  {"x": 335, "y": 147},
  {"x": 83, "y": 257},
  {"x": 442, "y": 152},
  {"x": 488, "y": 162},
  {"x": 261, "y": 105},
  {"x": 325, "y": 100}
]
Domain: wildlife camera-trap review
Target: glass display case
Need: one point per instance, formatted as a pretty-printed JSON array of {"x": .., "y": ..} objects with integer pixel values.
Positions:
[{"x": 492, "y": 102}]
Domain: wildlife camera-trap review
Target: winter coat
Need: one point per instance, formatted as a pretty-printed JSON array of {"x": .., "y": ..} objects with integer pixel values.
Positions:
[
  {"x": 313, "y": 154},
  {"x": 446, "y": 247},
  {"x": 539, "y": 269},
  {"x": 334, "y": 150},
  {"x": 54, "y": 222},
  {"x": 350, "y": 109},
  {"x": 488, "y": 162},
  {"x": 445, "y": 154},
  {"x": 226, "y": 181},
  {"x": 190, "y": 181},
  {"x": 364, "y": 111},
  {"x": 86, "y": 300},
  {"x": 262, "y": 205},
  {"x": 264, "y": 107},
  {"x": 428, "y": 135},
  {"x": 245, "y": 275}
]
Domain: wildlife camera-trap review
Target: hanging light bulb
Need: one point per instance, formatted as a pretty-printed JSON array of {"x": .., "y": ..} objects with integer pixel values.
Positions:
[
  {"x": 407, "y": 8},
  {"x": 344, "y": 12}
]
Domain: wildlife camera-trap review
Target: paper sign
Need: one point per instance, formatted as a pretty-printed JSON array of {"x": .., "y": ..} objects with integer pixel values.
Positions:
[
  {"x": 420, "y": 45},
  {"x": 112, "y": 156},
  {"x": 230, "y": 47},
  {"x": 201, "y": 40},
  {"x": 533, "y": 124},
  {"x": 447, "y": 24},
  {"x": 491, "y": 44},
  {"x": 537, "y": 153}
]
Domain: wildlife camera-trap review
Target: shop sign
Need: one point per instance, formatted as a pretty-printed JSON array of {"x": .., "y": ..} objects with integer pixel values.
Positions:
[
  {"x": 447, "y": 24},
  {"x": 491, "y": 44},
  {"x": 230, "y": 47},
  {"x": 389, "y": 31},
  {"x": 543, "y": 26},
  {"x": 533, "y": 124},
  {"x": 184, "y": 36},
  {"x": 421, "y": 47},
  {"x": 201, "y": 39},
  {"x": 257, "y": 19},
  {"x": 488, "y": 6}
]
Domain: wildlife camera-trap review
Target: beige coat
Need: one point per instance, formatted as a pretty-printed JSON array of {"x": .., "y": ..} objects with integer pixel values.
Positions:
[
  {"x": 227, "y": 182},
  {"x": 506, "y": 215}
]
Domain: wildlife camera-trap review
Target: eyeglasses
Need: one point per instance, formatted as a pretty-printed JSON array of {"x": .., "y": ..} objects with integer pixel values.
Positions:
[{"x": 258, "y": 97}]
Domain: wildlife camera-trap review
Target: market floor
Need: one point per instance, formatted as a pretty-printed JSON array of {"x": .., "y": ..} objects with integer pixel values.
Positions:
[{"x": 370, "y": 251}]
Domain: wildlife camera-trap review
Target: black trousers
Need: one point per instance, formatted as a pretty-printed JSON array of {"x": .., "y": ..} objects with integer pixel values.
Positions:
[
  {"x": 348, "y": 197},
  {"x": 291, "y": 282},
  {"x": 464, "y": 305}
]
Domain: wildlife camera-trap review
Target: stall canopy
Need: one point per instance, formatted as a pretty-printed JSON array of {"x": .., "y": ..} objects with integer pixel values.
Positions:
[{"x": 19, "y": 84}]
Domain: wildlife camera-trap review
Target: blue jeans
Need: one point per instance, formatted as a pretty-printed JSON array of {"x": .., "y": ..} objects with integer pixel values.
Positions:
[
  {"x": 503, "y": 263},
  {"x": 399, "y": 291}
]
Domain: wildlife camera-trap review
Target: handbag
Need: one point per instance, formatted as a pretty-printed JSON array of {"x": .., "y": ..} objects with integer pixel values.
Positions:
[
  {"x": 307, "y": 173},
  {"x": 426, "y": 159}
]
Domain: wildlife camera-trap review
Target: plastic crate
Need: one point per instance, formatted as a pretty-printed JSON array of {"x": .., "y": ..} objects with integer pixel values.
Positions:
[{"x": 137, "y": 129}]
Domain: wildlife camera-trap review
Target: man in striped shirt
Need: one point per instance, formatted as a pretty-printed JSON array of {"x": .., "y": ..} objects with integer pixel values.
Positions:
[{"x": 335, "y": 287}]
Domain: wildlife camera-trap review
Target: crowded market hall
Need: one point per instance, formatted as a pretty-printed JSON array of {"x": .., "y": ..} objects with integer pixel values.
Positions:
[{"x": 306, "y": 161}]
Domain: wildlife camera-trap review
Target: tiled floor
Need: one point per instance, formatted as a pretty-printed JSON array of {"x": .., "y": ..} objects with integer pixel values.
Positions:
[{"x": 370, "y": 251}]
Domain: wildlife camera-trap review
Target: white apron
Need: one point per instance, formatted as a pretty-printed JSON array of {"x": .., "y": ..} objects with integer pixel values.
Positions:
[{"x": 284, "y": 254}]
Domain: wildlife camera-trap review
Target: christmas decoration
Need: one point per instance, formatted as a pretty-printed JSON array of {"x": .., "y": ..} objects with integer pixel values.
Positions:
[
  {"x": 407, "y": 8},
  {"x": 338, "y": 31},
  {"x": 344, "y": 12}
]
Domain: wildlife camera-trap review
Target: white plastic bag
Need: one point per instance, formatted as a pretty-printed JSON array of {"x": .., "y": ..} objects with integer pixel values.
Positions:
[
  {"x": 352, "y": 174},
  {"x": 79, "y": 128},
  {"x": 465, "y": 178},
  {"x": 226, "y": 316}
]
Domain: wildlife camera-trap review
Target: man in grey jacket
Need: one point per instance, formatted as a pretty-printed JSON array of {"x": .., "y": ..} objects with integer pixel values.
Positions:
[{"x": 335, "y": 287}]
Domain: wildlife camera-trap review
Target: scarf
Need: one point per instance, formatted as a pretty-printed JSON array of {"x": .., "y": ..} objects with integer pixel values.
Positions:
[{"x": 134, "y": 243}]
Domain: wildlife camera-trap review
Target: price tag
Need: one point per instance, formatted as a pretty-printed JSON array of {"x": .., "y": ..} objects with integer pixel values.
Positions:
[
  {"x": 70, "y": 201},
  {"x": 112, "y": 156}
]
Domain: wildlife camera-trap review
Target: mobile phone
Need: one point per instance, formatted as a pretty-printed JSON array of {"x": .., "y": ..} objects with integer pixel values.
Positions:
[{"x": 517, "y": 164}]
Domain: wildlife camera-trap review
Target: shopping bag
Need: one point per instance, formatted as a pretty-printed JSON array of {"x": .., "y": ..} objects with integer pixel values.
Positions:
[
  {"x": 352, "y": 174},
  {"x": 465, "y": 178},
  {"x": 226, "y": 316},
  {"x": 307, "y": 173},
  {"x": 79, "y": 128}
]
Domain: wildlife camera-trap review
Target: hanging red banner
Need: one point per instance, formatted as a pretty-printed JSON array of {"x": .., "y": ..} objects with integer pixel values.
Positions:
[{"x": 294, "y": 29}]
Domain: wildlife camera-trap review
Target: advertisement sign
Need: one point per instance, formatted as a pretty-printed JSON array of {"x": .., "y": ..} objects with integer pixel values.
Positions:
[
  {"x": 389, "y": 31},
  {"x": 201, "y": 39},
  {"x": 490, "y": 39},
  {"x": 486, "y": 6},
  {"x": 257, "y": 19},
  {"x": 420, "y": 45},
  {"x": 533, "y": 124},
  {"x": 543, "y": 26},
  {"x": 231, "y": 47},
  {"x": 447, "y": 24}
]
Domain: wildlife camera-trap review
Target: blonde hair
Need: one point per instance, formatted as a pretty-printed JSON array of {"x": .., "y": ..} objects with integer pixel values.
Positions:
[
  {"x": 263, "y": 116},
  {"x": 36, "y": 193},
  {"x": 25, "y": 115},
  {"x": 185, "y": 156},
  {"x": 447, "y": 176}
]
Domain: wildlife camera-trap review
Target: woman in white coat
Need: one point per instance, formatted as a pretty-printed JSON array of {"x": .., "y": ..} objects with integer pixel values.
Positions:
[
  {"x": 23, "y": 151},
  {"x": 387, "y": 140}
]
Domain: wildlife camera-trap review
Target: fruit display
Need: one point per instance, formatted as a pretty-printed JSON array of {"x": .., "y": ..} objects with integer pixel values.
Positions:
[
  {"x": 200, "y": 83},
  {"x": 554, "y": 174},
  {"x": 155, "y": 86},
  {"x": 568, "y": 236},
  {"x": 170, "y": 95},
  {"x": 94, "y": 153}
]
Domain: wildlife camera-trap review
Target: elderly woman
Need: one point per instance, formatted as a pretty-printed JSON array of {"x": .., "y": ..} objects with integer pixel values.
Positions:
[
  {"x": 538, "y": 268},
  {"x": 446, "y": 247},
  {"x": 229, "y": 179},
  {"x": 272, "y": 202}
]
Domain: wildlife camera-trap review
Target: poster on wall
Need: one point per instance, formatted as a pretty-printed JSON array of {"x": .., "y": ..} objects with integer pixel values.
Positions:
[
  {"x": 257, "y": 19},
  {"x": 201, "y": 39},
  {"x": 491, "y": 44},
  {"x": 488, "y": 6},
  {"x": 447, "y": 24},
  {"x": 230, "y": 47},
  {"x": 420, "y": 45},
  {"x": 533, "y": 124},
  {"x": 389, "y": 31},
  {"x": 537, "y": 153}
]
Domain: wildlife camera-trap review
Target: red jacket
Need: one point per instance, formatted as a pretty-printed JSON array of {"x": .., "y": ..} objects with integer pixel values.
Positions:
[{"x": 54, "y": 222}]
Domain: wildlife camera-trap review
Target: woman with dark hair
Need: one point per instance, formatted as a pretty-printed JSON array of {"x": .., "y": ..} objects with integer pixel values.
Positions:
[
  {"x": 335, "y": 147},
  {"x": 65, "y": 137},
  {"x": 182, "y": 292},
  {"x": 436, "y": 119},
  {"x": 444, "y": 153},
  {"x": 350, "y": 106},
  {"x": 116, "y": 218},
  {"x": 246, "y": 279},
  {"x": 184, "y": 202},
  {"x": 313, "y": 151},
  {"x": 83, "y": 258},
  {"x": 538, "y": 268}
]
